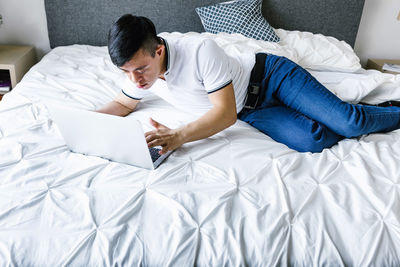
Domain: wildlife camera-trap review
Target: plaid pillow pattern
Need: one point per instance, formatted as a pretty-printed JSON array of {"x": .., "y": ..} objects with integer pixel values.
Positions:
[{"x": 239, "y": 16}]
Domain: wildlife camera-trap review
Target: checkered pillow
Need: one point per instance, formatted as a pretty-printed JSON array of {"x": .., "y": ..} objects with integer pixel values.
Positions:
[{"x": 238, "y": 16}]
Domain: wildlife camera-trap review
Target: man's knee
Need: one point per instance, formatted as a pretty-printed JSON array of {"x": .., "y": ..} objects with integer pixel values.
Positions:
[
  {"x": 350, "y": 123},
  {"x": 315, "y": 140},
  {"x": 351, "y": 129}
]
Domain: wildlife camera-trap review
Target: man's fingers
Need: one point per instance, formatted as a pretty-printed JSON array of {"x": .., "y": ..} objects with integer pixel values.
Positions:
[
  {"x": 164, "y": 150},
  {"x": 156, "y": 136},
  {"x": 162, "y": 136},
  {"x": 154, "y": 123},
  {"x": 150, "y": 136},
  {"x": 157, "y": 125},
  {"x": 156, "y": 142}
]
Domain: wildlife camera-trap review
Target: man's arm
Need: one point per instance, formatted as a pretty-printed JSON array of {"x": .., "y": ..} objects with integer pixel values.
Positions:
[
  {"x": 120, "y": 106},
  {"x": 221, "y": 116}
]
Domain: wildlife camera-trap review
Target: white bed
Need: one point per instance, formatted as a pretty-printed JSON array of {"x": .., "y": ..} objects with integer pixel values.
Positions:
[{"x": 235, "y": 199}]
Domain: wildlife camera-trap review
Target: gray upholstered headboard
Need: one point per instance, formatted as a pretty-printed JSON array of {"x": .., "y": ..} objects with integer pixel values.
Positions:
[{"x": 87, "y": 22}]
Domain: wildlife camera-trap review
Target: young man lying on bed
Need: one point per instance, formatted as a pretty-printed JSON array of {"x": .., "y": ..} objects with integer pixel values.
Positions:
[{"x": 283, "y": 100}]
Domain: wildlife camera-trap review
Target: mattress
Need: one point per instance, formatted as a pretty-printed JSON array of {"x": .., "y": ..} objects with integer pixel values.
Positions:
[{"x": 237, "y": 198}]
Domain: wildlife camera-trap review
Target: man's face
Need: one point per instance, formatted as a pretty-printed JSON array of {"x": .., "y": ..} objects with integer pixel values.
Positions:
[{"x": 143, "y": 69}]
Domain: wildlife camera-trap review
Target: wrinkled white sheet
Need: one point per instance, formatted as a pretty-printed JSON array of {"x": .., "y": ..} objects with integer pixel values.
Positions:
[{"x": 235, "y": 199}]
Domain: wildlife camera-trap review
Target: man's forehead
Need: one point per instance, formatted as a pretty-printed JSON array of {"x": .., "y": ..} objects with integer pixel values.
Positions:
[{"x": 137, "y": 61}]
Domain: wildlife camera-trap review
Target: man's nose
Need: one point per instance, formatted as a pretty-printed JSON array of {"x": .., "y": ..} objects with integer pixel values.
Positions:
[{"x": 135, "y": 77}]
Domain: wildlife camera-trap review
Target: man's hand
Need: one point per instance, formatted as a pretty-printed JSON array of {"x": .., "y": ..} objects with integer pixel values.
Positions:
[
  {"x": 221, "y": 116},
  {"x": 168, "y": 139}
]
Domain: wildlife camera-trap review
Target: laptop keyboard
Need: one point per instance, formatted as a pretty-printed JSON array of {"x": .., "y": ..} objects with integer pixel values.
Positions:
[{"x": 154, "y": 153}]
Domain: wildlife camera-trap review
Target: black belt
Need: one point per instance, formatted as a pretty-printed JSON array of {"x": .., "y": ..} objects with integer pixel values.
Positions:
[
  {"x": 255, "y": 92},
  {"x": 256, "y": 77}
]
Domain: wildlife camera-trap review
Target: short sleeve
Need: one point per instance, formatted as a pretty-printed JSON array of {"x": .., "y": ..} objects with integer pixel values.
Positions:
[
  {"x": 130, "y": 90},
  {"x": 214, "y": 66}
]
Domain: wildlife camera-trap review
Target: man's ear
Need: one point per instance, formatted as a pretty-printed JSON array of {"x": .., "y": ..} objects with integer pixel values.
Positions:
[{"x": 159, "y": 49}]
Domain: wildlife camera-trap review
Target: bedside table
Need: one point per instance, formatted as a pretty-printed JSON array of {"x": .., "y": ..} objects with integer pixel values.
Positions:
[
  {"x": 15, "y": 61},
  {"x": 377, "y": 64}
]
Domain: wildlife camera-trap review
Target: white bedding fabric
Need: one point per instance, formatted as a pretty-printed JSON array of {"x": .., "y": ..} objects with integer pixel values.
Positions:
[{"x": 235, "y": 199}]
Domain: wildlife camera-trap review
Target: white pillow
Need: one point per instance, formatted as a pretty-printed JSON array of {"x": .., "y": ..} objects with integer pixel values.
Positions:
[
  {"x": 320, "y": 52},
  {"x": 312, "y": 51}
]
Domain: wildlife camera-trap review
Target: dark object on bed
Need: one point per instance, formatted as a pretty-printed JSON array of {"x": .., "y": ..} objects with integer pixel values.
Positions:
[{"x": 87, "y": 22}]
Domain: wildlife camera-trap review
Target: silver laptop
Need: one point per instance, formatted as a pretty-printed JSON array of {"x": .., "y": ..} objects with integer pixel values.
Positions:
[{"x": 120, "y": 139}]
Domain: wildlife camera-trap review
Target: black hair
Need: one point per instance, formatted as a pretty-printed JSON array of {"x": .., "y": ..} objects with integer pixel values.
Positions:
[{"x": 128, "y": 35}]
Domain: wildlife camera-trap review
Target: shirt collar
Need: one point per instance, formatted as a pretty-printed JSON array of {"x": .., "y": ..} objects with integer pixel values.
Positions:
[{"x": 167, "y": 55}]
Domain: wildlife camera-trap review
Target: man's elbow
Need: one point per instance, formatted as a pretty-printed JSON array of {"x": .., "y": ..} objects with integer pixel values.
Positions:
[
  {"x": 227, "y": 116},
  {"x": 232, "y": 119}
]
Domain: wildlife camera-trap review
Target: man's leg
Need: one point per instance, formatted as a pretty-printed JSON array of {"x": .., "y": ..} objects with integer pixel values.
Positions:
[
  {"x": 296, "y": 88},
  {"x": 291, "y": 128}
]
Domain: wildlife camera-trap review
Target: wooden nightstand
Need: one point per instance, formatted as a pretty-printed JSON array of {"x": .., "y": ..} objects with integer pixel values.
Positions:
[
  {"x": 16, "y": 60},
  {"x": 377, "y": 64}
]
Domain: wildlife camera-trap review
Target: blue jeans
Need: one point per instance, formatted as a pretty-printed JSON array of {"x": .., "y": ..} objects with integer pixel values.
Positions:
[{"x": 300, "y": 112}]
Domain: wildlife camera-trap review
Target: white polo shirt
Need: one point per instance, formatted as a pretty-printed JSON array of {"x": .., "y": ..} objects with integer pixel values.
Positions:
[{"x": 197, "y": 67}]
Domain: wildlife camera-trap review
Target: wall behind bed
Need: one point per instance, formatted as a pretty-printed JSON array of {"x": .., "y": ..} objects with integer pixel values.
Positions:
[
  {"x": 87, "y": 22},
  {"x": 24, "y": 23},
  {"x": 379, "y": 31}
]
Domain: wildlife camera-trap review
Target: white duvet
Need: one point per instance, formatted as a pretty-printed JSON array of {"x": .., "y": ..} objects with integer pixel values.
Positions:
[{"x": 235, "y": 199}]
